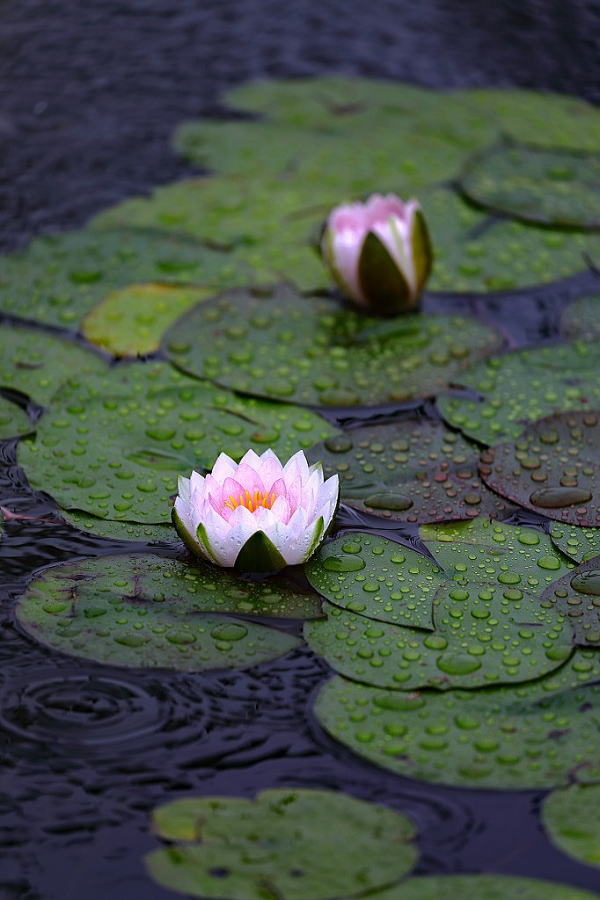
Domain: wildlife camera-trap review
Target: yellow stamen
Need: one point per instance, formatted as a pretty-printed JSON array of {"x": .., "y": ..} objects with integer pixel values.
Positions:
[{"x": 251, "y": 502}]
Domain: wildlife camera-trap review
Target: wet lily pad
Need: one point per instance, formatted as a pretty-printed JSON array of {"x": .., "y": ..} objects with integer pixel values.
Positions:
[
  {"x": 548, "y": 187},
  {"x": 481, "y": 887},
  {"x": 570, "y": 817},
  {"x": 552, "y": 468},
  {"x": 378, "y": 578},
  {"x": 412, "y": 470},
  {"x": 503, "y": 737},
  {"x": 131, "y": 321},
  {"x": 290, "y": 843},
  {"x": 309, "y": 350},
  {"x": 581, "y": 318},
  {"x": 36, "y": 363},
  {"x": 113, "y": 446},
  {"x": 523, "y": 386},
  {"x": 578, "y": 543},
  {"x": 146, "y": 611},
  {"x": 488, "y": 624},
  {"x": 58, "y": 279},
  {"x": 118, "y": 530},
  {"x": 577, "y": 596},
  {"x": 13, "y": 420}
]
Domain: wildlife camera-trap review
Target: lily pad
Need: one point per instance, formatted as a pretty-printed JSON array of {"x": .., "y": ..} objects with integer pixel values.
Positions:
[
  {"x": 547, "y": 187},
  {"x": 578, "y": 543},
  {"x": 114, "y": 446},
  {"x": 131, "y": 321},
  {"x": 488, "y": 624},
  {"x": 523, "y": 386},
  {"x": 58, "y": 279},
  {"x": 13, "y": 420},
  {"x": 553, "y": 468},
  {"x": 309, "y": 350},
  {"x": 412, "y": 470},
  {"x": 146, "y": 611},
  {"x": 570, "y": 817},
  {"x": 577, "y": 596},
  {"x": 35, "y": 362},
  {"x": 292, "y": 844},
  {"x": 503, "y": 737},
  {"x": 118, "y": 530},
  {"x": 481, "y": 887},
  {"x": 480, "y": 638},
  {"x": 378, "y": 578},
  {"x": 581, "y": 318}
]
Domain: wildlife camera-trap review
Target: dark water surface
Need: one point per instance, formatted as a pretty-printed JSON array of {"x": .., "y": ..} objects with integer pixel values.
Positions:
[{"x": 89, "y": 94}]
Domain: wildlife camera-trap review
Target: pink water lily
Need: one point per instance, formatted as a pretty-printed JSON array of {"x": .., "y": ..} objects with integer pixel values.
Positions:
[
  {"x": 257, "y": 515},
  {"x": 379, "y": 252}
]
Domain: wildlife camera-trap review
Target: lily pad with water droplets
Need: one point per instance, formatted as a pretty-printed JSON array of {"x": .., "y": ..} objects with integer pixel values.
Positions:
[
  {"x": 146, "y": 611},
  {"x": 552, "y": 468},
  {"x": 412, "y": 470},
  {"x": 310, "y": 350},
  {"x": 480, "y": 887},
  {"x": 36, "y": 363},
  {"x": 544, "y": 186},
  {"x": 114, "y": 446},
  {"x": 293, "y": 844},
  {"x": 503, "y": 737},
  {"x": 577, "y": 596},
  {"x": 378, "y": 578},
  {"x": 581, "y": 318},
  {"x": 131, "y": 321},
  {"x": 570, "y": 817},
  {"x": 59, "y": 279},
  {"x": 578, "y": 543},
  {"x": 523, "y": 386},
  {"x": 118, "y": 530},
  {"x": 13, "y": 420}
]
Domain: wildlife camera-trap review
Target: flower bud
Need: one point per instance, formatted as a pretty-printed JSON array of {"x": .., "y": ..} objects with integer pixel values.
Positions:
[{"x": 379, "y": 253}]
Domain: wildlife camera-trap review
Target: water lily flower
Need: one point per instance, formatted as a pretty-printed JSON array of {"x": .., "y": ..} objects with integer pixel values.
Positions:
[
  {"x": 258, "y": 515},
  {"x": 379, "y": 252}
]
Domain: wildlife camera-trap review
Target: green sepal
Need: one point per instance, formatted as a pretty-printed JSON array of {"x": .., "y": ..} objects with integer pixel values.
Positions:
[
  {"x": 202, "y": 536},
  {"x": 259, "y": 554},
  {"x": 382, "y": 283},
  {"x": 317, "y": 538},
  {"x": 422, "y": 250},
  {"x": 184, "y": 534}
]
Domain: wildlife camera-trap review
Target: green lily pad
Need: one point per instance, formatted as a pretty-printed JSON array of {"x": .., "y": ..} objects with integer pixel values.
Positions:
[
  {"x": 58, "y": 279},
  {"x": 578, "y": 543},
  {"x": 36, "y": 363},
  {"x": 570, "y": 817},
  {"x": 146, "y": 611},
  {"x": 481, "y": 887},
  {"x": 523, "y": 386},
  {"x": 13, "y": 420},
  {"x": 581, "y": 318},
  {"x": 409, "y": 471},
  {"x": 480, "y": 638},
  {"x": 309, "y": 350},
  {"x": 488, "y": 624},
  {"x": 114, "y": 446},
  {"x": 371, "y": 575},
  {"x": 132, "y": 320},
  {"x": 577, "y": 596},
  {"x": 288, "y": 843},
  {"x": 544, "y": 186},
  {"x": 553, "y": 468},
  {"x": 118, "y": 530},
  {"x": 503, "y": 737}
]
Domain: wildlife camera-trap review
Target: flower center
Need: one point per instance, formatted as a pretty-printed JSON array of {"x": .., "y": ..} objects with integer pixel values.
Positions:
[{"x": 251, "y": 501}]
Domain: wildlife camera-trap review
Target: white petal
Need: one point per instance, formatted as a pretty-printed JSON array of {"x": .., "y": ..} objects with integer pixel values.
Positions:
[
  {"x": 344, "y": 254},
  {"x": 223, "y": 467},
  {"x": 196, "y": 483},
  {"x": 251, "y": 459},
  {"x": 184, "y": 511},
  {"x": 183, "y": 487}
]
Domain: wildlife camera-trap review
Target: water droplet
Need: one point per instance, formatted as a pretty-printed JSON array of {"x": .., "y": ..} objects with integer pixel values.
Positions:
[
  {"x": 457, "y": 664},
  {"x": 559, "y": 497},
  {"x": 340, "y": 443},
  {"x": 230, "y": 631},
  {"x": 344, "y": 563},
  {"x": 392, "y": 501},
  {"x": 587, "y": 583}
]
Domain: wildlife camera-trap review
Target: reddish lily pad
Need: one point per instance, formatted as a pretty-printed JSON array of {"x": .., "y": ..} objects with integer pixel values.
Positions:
[
  {"x": 553, "y": 468},
  {"x": 412, "y": 470}
]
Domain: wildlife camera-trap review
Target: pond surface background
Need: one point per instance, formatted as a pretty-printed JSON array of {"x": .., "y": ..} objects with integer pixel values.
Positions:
[{"x": 89, "y": 96}]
